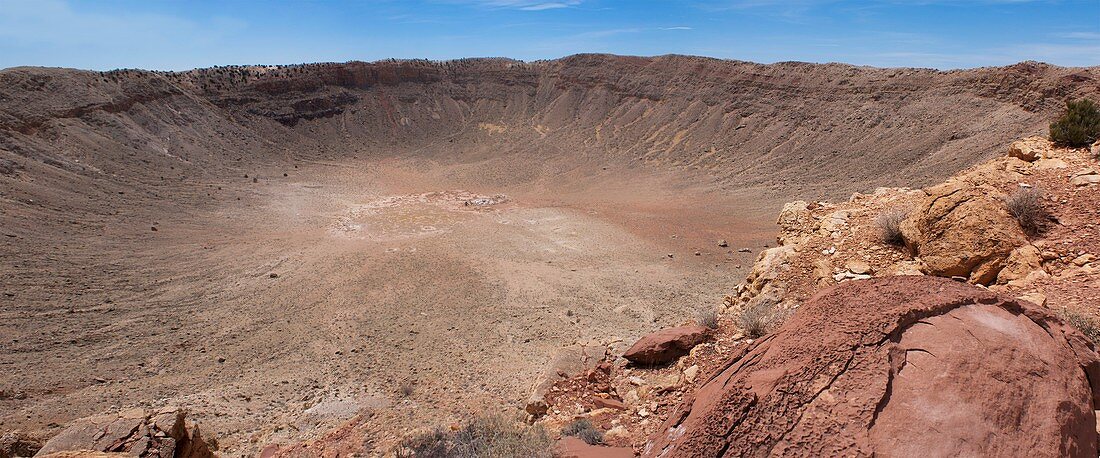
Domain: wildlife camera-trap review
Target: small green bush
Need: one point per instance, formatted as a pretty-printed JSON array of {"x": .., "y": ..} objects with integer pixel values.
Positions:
[
  {"x": 584, "y": 430},
  {"x": 1078, "y": 126},
  {"x": 483, "y": 437}
]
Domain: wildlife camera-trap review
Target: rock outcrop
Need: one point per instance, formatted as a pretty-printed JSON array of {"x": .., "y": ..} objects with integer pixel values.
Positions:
[
  {"x": 961, "y": 230},
  {"x": 666, "y": 345},
  {"x": 899, "y": 366},
  {"x": 165, "y": 433}
]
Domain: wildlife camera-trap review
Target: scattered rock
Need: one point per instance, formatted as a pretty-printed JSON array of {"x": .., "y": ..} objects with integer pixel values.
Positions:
[
  {"x": 567, "y": 363},
  {"x": 666, "y": 345},
  {"x": 722, "y": 243},
  {"x": 744, "y": 250},
  {"x": 608, "y": 403},
  {"x": 858, "y": 267},
  {"x": 827, "y": 383},
  {"x": 690, "y": 373},
  {"x": 165, "y": 433},
  {"x": 1085, "y": 180},
  {"x": 1083, "y": 259}
]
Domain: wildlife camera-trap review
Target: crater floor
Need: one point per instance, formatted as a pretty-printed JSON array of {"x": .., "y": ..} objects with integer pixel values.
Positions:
[{"x": 337, "y": 289}]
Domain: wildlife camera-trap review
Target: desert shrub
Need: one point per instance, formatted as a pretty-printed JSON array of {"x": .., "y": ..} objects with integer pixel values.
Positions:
[
  {"x": 1078, "y": 126},
  {"x": 1084, "y": 323},
  {"x": 759, "y": 316},
  {"x": 584, "y": 430},
  {"x": 482, "y": 437},
  {"x": 707, "y": 318},
  {"x": 889, "y": 226},
  {"x": 1026, "y": 205}
]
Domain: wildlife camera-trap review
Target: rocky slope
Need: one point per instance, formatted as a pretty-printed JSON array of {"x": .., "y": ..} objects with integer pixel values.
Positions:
[{"x": 805, "y": 385}]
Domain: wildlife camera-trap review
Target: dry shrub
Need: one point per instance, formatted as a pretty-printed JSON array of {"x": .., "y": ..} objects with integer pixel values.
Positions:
[
  {"x": 482, "y": 437},
  {"x": 1026, "y": 205},
  {"x": 406, "y": 388},
  {"x": 889, "y": 226},
  {"x": 1087, "y": 324},
  {"x": 584, "y": 430},
  {"x": 707, "y": 318},
  {"x": 759, "y": 316}
]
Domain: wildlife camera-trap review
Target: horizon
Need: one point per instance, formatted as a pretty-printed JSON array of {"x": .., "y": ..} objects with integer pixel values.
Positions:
[
  {"x": 164, "y": 36},
  {"x": 533, "y": 61}
]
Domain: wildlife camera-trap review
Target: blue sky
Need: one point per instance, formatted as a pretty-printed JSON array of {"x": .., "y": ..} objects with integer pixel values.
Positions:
[{"x": 176, "y": 35}]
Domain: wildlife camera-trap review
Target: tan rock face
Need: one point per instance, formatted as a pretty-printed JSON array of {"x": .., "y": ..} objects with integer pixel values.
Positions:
[
  {"x": 1021, "y": 263},
  {"x": 898, "y": 366},
  {"x": 792, "y": 221},
  {"x": 1030, "y": 149},
  {"x": 962, "y": 230}
]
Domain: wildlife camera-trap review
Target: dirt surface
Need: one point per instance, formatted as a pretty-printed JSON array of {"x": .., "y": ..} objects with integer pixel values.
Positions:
[{"x": 284, "y": 249}]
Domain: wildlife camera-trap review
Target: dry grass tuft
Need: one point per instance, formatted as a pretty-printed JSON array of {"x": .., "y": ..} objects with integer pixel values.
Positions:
[
  {"x": 1026, "y": 205},
  {"x": 1087, "y": 324},
  {"x": 889, "y": 226},
  {"x": 482, "y": 437},
  {"x": 707, "y": 318},
  {"x": 760, "y": 316},
  {"x": 584, "y": 430}
]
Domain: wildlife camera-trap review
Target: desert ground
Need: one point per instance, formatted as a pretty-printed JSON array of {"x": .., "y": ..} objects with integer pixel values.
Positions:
[{"x": 343, "y": 286}]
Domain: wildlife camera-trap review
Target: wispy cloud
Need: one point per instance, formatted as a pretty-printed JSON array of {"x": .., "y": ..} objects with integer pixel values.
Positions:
[
  {"x": 678, "y": 27},
  {"x": 1079, "y": 35},
  {"x": 522, "y": 5}
]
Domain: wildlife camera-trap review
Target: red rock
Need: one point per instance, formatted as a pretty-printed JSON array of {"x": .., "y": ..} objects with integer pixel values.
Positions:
[
  {"x": 666, "y": 345},
  {"x": 609, "y": 403},
  {"x": 899, "y": 366},
  {"x": 573, "y": 447}
]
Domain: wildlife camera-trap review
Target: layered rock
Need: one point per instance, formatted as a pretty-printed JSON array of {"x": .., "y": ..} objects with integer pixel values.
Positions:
[
  {"x": 164, "y": 433},
  {"x": 898, "y": 366}
]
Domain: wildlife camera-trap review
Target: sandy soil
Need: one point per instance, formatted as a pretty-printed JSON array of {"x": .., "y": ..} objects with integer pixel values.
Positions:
[{"x": 335, "y": 290}]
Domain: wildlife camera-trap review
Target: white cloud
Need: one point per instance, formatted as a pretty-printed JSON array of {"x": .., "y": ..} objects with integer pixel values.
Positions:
[
  {"x": 524, "y": 5},
  {"x": 544, "y": 6},
  {"x": 679, "y": 27}
]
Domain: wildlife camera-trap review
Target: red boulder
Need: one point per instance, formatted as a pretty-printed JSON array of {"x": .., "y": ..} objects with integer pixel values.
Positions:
[
  {"x": 666, "y": 345},
  {"x": 899, "y": 366}
]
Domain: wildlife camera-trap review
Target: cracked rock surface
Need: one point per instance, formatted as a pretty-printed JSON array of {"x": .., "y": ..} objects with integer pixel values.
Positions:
[{"x": 898, "y": 366}]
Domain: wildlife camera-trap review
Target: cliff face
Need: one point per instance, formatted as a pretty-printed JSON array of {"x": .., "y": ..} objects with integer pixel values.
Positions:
[{"x": 792, "y": 127}]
